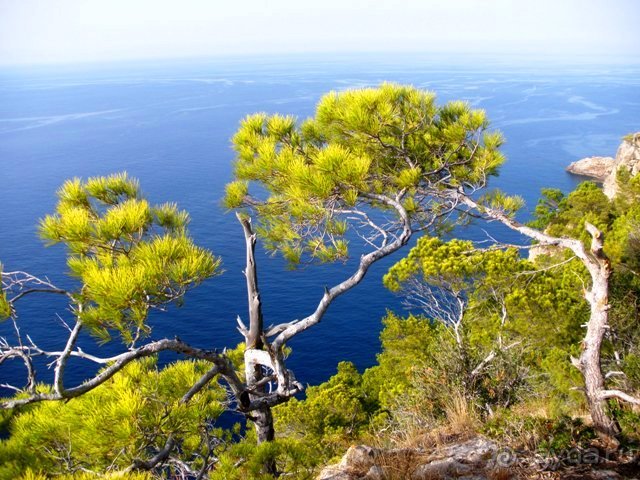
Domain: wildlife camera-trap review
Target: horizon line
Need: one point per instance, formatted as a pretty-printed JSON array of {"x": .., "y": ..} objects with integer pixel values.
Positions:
[{"x": 575, "y": 59}]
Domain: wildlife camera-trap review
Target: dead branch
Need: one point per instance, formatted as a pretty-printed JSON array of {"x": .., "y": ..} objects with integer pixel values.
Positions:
[
  {"x": 220, "y": 361},
  {"x": 296, "y": 327}
]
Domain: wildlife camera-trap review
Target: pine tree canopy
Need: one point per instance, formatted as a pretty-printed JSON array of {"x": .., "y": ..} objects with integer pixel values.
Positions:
[
  {"x": 393, "y": 141},
  {"x": 130, "y": 256}
]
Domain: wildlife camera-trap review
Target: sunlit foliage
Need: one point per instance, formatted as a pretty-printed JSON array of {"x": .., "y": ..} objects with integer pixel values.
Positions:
[
  {"x": 129, "y": 256},
  {"x": 128, "y": 417},
  {"x": 391, "y": 140}
]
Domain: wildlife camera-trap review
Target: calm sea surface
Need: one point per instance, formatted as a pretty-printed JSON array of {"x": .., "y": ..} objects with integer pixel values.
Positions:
[{"x": 169, "y": 125}]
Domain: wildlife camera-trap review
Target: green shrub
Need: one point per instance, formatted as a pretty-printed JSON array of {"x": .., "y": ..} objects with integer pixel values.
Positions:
[
  {"x": 128, "y": 417},
  {"x": 545, "y": 435}
]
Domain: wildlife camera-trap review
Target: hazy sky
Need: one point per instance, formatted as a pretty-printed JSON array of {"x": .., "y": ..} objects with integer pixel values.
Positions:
[{"x": 50, "y": 31}]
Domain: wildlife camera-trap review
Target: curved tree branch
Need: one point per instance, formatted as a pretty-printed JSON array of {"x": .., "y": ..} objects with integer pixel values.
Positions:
[
  {"x": 619, "y": 394},
  {"x": 597, "y": 295},
  {"x": 61, "y": 363},
  {"x": 25, "y": 283},
  {"x": 7, "y": 353},
  {"x": 223, "y": 364},
  {"x": 296, "y": 327}
]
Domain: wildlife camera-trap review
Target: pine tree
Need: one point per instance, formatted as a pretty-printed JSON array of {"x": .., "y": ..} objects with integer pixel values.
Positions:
[{"x": 373, "y": 164}]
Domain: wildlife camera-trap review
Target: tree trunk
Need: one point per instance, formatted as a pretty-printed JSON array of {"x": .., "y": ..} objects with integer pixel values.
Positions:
[
  {"x": 262, "y": 417},
  {"x": 589, "y": 362},
  {"x": 599, "y": 267}
]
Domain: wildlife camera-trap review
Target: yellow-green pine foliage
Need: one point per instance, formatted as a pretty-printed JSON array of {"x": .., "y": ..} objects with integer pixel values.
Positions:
[
  {"x": 128, "y": 417},
  {"x": 433, "y": 259},
  {"x": 618, "y": 219},
  {"x": 5, "y": 307},
  {"x": 623, "y": 240},
  {"x": 33, "y": 475},
  {"x": 498, "y": 200},
  {"x": 129, "y": 256},
  {"x": 373, "y": 140},
  {"x": 296, "y": 459},
  {"x": 480, "y": 275},
  {"x": 562, "y": 215},
  {"x": 408, "y": 344}
]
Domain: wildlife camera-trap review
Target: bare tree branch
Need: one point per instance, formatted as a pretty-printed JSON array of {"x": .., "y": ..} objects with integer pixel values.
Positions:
[
  {"x": 61, "y": 363},
  {"x": 366, "y": 261},
  {"x": 619, "y": 394},
  {"x": 489, "y": 358},
  {"x": 17, "y": 284},
  {"x": 6, "y": 353},
  {"x": 119, "y": 362}
]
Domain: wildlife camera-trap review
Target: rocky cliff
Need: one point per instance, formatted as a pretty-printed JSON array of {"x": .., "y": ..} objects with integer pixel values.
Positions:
[
  {"x": 628, "y": 156},
  {"x": 478, "y": 459},
  {"x": 474, "y": 458},
  {"x": 605, "y": 169}
]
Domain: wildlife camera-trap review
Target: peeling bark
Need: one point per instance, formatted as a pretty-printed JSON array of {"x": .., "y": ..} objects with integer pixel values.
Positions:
[{"x": 589, "y": 361}]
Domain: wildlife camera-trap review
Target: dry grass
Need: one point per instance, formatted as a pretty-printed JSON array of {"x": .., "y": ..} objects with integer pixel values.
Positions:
[
  {"x": 461, "y": 422},
  {"x": 399, "y": 464},
  {"x": 419, "y": 430},
  {"x": 419, "y": 434},
  {"x": 533, "y": 408},
  {"x": 501, "y": 473},
  {"x": 462, "y": 418}
]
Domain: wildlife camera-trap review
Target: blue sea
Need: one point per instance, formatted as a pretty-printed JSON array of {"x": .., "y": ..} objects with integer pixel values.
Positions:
[{"x": 169, "y": 124}]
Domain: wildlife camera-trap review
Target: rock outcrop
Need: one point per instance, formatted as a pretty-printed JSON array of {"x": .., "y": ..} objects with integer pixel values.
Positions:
[
  {"x": 628, "y": 156},
  {"x": 477, "y": 459},
  {"x": 605, "y": 169},
  {"x": 598, "y": 168}
]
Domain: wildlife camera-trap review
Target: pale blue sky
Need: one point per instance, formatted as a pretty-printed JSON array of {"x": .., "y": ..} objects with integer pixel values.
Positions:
[{"x": 54, "y": 31}]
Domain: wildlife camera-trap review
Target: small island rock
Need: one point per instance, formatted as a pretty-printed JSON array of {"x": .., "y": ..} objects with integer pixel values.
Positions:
[{"x": 598, "y": 168}]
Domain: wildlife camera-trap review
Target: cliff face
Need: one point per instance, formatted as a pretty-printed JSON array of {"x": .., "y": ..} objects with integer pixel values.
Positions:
[
  {"x": 628, "y": 156},
  {"x": 605, "y": 169}
]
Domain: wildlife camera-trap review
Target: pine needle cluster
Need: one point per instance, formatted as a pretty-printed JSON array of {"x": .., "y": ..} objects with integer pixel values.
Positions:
[
  {"x": 129, "y": 256},
  {"x": 392, "y": 140}
]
